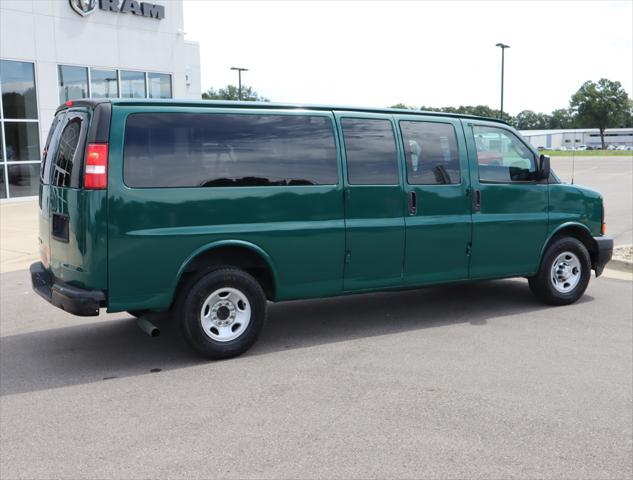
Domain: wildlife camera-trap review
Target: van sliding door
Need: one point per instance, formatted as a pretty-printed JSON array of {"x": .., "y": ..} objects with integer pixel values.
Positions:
[
  {"x": 438, "y": 219},
  {"x": 373, "y": 202}
]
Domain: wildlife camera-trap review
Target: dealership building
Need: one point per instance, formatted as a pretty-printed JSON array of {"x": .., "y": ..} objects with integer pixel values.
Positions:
[
  {"x": 574, "y": 137},
  {"x": 52, "y": 51}
]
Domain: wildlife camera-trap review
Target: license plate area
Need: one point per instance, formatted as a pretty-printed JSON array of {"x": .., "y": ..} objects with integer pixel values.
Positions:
[{"x": 59, "y": 227}]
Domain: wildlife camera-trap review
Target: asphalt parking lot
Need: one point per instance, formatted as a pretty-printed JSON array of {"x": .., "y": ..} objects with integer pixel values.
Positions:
[
  {"x": 470, "y": 381},
  {"x": 466, "y": 381},
  {"x": 613, "y": 177}
]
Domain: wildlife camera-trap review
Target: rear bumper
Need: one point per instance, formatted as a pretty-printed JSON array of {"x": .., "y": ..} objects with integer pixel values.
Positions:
[
  {"x": 603, "y": 253},
  {"x": 77, "y": 301}
]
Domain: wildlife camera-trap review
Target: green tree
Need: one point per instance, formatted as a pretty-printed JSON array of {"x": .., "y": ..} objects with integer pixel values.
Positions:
[
  {"x": 231, "y": 92},
  {"x": 600, "y": 105},
  {"x": 530, "y": 120},
  {"x": 477, "y": 110},
  {"x": 628, "y": 117},
  {"x": 403, "y": 105},
  {"x": 561, "y": 118},
  {"x": 431, "y": 109}
]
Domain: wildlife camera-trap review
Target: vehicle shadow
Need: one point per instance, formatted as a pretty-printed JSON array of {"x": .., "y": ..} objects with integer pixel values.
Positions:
[{"x": 115, "y": 348}]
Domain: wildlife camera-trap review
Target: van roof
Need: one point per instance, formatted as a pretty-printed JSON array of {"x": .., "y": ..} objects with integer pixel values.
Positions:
[{"x": 268, "y": 105}]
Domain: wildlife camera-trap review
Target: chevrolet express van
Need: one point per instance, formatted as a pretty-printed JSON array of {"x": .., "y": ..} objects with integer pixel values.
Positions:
[{"x": 208, "y": 210}]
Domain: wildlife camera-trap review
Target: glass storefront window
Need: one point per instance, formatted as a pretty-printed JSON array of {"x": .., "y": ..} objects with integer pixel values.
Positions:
[
  {"x": 23, "y": 180},
  {"x": 132, "y": 84},
  {"x": 22, "y": 141},
  {"x": 18, "y": 89},
  {"x": 103, "y": 83},
  {"x": 3, "y": 185},
  {"x": 159, "y": 85},
  {"x": 73, "y": 83},
  {"x": 19, "y": 125},
  {"x": 19, "y": 130}
]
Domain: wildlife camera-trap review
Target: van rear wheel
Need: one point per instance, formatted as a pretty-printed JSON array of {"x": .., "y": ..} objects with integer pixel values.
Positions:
[
  {"x": 222, "y": 313},
  {"x": 564, "y": 273}
]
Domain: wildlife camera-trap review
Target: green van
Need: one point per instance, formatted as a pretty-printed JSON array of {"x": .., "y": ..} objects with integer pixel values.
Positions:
[{"x": 208, "y": 210}]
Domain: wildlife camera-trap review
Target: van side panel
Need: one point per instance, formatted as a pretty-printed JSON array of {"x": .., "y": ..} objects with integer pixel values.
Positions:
[
  {"x": 570, "y": 204},
  {"x": 154, "y": 231}
]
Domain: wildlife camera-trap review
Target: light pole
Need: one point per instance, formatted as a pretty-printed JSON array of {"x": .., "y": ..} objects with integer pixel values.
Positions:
[
  {"x": 239, "y": 80},
  {"x": 503, "y": 49}
]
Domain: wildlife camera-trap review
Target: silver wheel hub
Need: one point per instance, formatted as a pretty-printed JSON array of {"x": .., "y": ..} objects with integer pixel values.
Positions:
[
  {"x": 566, "y": 272},
  {"x": 225, "y": 314}
]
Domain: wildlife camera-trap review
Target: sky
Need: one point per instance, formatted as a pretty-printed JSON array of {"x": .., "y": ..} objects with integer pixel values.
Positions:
[{"x": 431, "y": 53}]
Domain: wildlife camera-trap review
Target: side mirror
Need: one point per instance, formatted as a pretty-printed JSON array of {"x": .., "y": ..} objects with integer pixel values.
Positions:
[{"x": 543, "y": 167}]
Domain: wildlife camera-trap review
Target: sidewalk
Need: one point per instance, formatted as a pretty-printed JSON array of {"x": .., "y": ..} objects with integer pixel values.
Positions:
[
  {"x": 18, "y": 235},
  {"x": 18, "y": 239}
]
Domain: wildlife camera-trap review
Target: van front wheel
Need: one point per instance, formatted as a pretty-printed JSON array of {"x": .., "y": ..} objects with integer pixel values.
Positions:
[
  {"x": 564, "y": 273},
  {"x": 223, "y": 313}
]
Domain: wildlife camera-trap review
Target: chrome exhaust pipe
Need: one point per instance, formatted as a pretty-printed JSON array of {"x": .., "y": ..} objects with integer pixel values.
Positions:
[{"x": 148, "y": 327}]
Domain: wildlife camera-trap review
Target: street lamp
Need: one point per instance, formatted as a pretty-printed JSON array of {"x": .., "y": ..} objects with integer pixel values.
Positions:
[
  {"x": 239, "y": 80},
  {"x": 503, "y": 49}
]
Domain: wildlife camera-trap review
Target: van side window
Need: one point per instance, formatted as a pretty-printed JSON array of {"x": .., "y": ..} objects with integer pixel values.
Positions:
[
  {"x": 370, "y": 146},
  {"x": 502, "y": 157},
  {"x": 431, "y": 153},
  {"x": 228, "y": 150},
  {"x": 68, "y": 159}
]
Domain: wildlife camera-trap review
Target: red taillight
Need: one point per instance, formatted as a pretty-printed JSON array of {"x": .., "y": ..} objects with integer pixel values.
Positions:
[
  {"x": 96, "y": 170},
  {"x": 69, "y": 103}
]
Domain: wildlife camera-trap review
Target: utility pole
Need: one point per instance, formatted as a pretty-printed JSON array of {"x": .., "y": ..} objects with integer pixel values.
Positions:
[
  {"x": 503, "y": 49},
  {"x": 239, "y": 80}
]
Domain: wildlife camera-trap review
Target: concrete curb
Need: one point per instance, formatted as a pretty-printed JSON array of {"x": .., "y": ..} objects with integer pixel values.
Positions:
[
  {"x": 617, "y": 275},
  {"x": 620, "y": 265}
]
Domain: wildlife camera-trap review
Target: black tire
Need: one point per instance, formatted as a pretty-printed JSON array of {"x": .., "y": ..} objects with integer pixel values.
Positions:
[
  {"x": 199, "y": 290},
  {"x": 543, "y": 284}
]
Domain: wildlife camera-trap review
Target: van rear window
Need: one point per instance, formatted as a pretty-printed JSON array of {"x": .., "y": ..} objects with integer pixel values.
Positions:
[
  {"x": 64, "y": 151},
  {"x": 50, "y": 149},
  {"x": 67, "y": 161},
  {"x": 222, "y": 150}
]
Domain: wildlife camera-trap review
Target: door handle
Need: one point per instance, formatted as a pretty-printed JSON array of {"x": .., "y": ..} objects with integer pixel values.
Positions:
[
  {"x": 477, "y": 200},
  {"x": 413, "y": 203}
]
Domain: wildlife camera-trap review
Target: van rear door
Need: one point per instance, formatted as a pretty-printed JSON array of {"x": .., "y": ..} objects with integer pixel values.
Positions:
[
  {"x": 50, "y": 149},
  {"x": 74, "y": 246}
]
